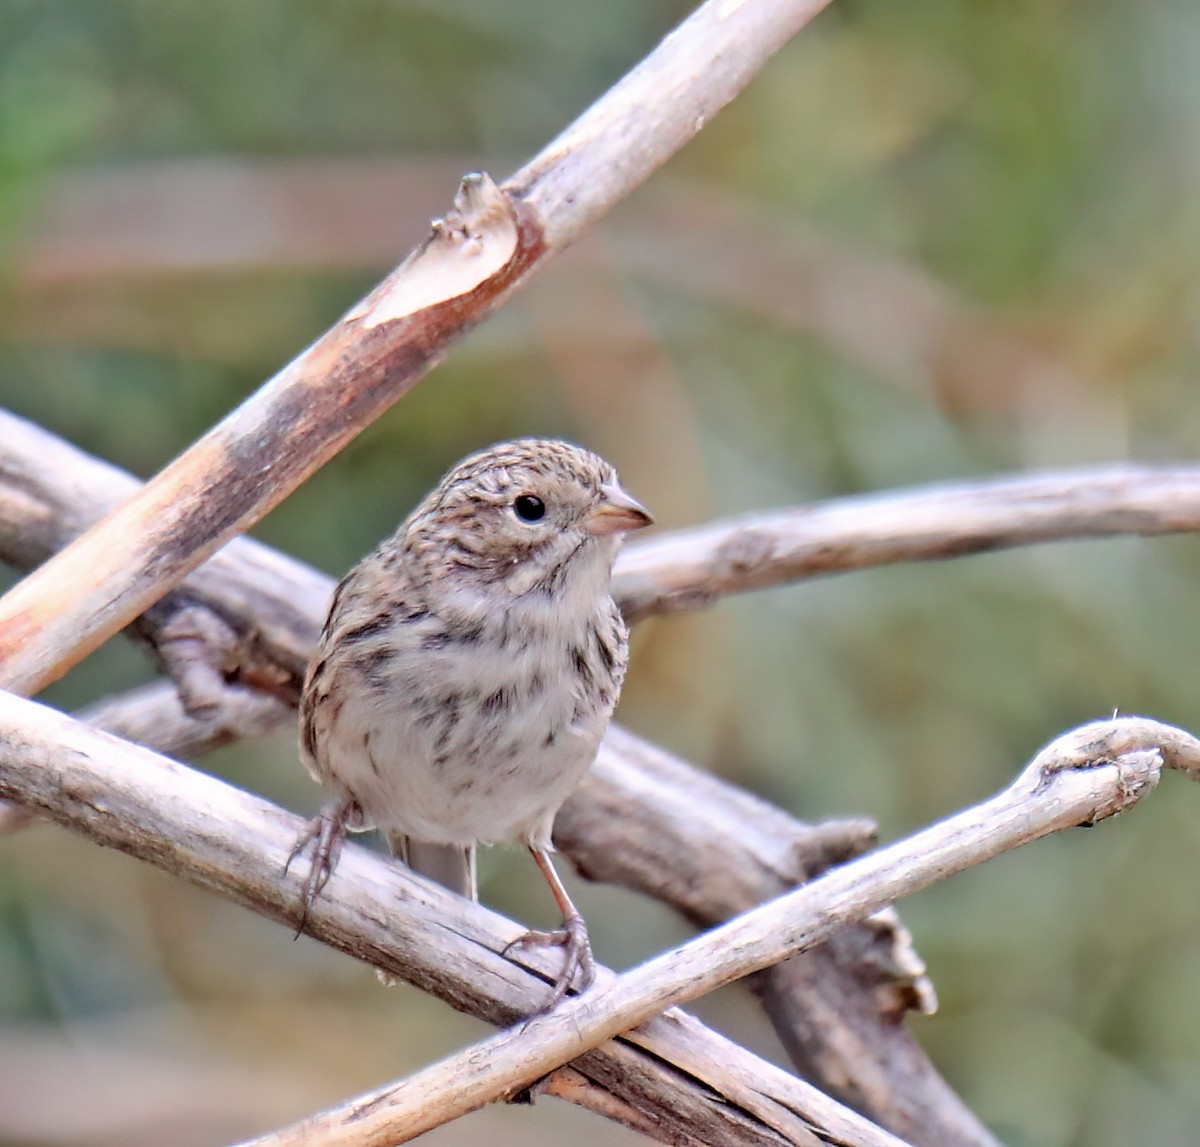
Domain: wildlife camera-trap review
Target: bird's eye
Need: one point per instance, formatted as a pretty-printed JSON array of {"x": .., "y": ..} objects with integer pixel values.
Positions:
[{"x": 529, "y": 508}]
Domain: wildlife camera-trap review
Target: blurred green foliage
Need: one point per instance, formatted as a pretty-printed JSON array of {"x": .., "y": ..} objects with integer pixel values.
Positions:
[{"x": 1031, "y": 166}]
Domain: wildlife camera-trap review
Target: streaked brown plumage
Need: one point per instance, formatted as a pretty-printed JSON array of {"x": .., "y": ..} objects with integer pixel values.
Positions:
[{"x": 469, "y": 668}]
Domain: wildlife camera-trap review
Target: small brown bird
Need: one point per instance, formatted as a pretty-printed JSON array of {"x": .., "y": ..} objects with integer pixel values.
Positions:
[{"x": 468, "y": 671}]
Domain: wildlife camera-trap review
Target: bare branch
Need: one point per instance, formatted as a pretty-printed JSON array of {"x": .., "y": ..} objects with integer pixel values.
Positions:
[
  {"x": 687, "y": 1082},
  {"x": 156, "y": 717},
  {"x": 473, "y": 260},
  {"x": 645, "y": 820},
  {"x": 689, "y": 569},
  {"x": 1084, "y": 776},
  {"x": 51, "y": 492}
]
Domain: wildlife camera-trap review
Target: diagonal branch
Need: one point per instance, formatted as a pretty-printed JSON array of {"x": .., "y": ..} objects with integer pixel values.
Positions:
[
  {"x": 1084, "y": 776},
  {"x": 470, "y": 264}
]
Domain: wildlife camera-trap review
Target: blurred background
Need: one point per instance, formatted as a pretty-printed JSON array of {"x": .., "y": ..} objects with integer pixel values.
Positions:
[{"x": 930, "y": 242}]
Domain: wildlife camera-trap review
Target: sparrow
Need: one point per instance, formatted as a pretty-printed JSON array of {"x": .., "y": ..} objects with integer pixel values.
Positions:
[{"x": 468, "y": 670}]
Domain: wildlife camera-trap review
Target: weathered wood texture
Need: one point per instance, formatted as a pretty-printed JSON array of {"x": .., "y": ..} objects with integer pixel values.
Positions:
[{"x": 685, "y": 569}]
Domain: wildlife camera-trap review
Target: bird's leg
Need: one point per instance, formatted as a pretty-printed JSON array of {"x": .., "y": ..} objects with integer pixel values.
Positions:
[
  {"x": 572, "y": 936},
  {"x": 328, "y": 829}
]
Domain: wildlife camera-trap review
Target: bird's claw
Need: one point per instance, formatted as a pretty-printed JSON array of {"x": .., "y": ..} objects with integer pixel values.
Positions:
[
  {"x": 329, "y": 831},
  {"x": 578, "y": 963}
]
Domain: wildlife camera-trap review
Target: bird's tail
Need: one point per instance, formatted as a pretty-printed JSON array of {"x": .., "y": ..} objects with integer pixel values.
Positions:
[{"x": 451, "y": 865}]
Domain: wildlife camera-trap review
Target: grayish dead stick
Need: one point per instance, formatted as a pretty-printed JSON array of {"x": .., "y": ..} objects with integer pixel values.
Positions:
[
  {"x": 154, "y": 716},
  {"x": 492, "y": 241},
  {"x": 674, "y": 1079},
  {"x": 1084, "y": 776},
  {"x": 685, "y": 569}
]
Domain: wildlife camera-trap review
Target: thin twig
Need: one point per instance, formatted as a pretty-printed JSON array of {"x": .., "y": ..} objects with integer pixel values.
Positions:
[
  {"x": 1084, "y": 776},
  {"x": 687, "y": 569},
  {"x": 686, "y": 1081},
  {"x": 474, "y": 259},
  {"x": 154, "y": 716}
]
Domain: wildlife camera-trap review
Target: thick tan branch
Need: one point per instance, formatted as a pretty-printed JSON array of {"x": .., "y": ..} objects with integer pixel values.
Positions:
[
  {"x": 473, "y": 260},
  {"x": 1083, "y": 777},
  {"x": 52, "y": 492}
]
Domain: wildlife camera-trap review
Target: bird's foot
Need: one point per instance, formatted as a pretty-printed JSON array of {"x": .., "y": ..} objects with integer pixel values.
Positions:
[
  {"x": 328, "y": 829},
  {"x": 578, "y": 963}
]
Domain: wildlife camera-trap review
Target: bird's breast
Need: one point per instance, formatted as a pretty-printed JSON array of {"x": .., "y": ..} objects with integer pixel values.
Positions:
[{"x": 482, "y": 733}]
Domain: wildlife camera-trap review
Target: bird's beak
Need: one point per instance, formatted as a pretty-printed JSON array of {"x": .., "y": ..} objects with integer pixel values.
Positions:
[{"x": 617, "y": 513}]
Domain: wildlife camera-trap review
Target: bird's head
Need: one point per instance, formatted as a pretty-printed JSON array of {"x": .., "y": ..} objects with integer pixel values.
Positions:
[{"x": 534, "y": 516}]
